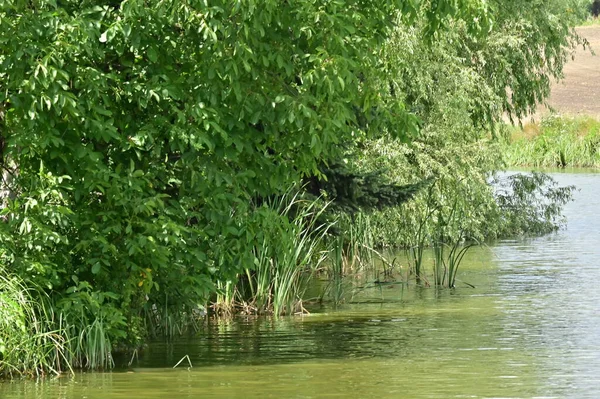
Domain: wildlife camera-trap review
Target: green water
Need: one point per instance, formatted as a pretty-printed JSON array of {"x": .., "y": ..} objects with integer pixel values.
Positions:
[{"x": 529, "y": 329}]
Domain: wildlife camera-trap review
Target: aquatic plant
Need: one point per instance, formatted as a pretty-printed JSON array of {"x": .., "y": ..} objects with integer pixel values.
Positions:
[
  {"x": 37, "y": 339},
  {"x": 358, "y": 243},
  {"x": 334, "y": 267},
  {"x": 91, "y": 347},
  {"x": 447, "y": 259},
  {"x": 290, "y": 246},
  {"x": 169, "y": 193}
]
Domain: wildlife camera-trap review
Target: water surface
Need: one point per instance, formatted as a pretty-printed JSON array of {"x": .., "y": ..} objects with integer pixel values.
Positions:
[{"x": 529, "y": 329}]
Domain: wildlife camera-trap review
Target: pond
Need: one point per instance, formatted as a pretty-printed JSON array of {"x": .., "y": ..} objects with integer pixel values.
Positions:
[{"x": 529, "y": 329}]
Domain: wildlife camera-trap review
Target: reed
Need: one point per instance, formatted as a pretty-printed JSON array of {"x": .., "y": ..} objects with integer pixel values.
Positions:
[
  {"x": 439, "y": 265},
  {"x": 172, "y": 318},
  {"x": 422, "y": 236},
  {"x": 300, "y": 251},
  {"x": 290, "y": 247},
  {"x": 336, "y": 265},
  {"x": 91, "y": 348},
  {"x": 225, "y": 304},
  {"x": 358, "y": 244},
  {"x": 447, "y": 258}
]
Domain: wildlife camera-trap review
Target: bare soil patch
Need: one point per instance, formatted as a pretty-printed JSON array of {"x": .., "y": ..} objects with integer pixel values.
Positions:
[{"x": 579, "y": 92}]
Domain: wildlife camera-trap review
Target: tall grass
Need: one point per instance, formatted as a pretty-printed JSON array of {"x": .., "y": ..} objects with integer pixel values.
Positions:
[
  {"x": 290, "y": 253},
  {"x": 90, "y": 346},
  {"x": 30, "y": 343},
  {"x": 421, "y": 237},
  {"x": 225, "y": 302},
  {"x": 352, "y": 258},
  {"x": 557, "y": 141},
  {"x": 289, "y": 249},
  {"x": 358, "y": 243},
  {"x": 36, "y": 339},
  {"x": 171, "y": 320},
  {"x": 338, "y": 263}
]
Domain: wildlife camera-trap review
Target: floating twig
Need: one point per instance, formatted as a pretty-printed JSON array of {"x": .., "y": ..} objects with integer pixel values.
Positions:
[
  {"x": 134, "y": 355},
  {"x": 182, "y": 359}
]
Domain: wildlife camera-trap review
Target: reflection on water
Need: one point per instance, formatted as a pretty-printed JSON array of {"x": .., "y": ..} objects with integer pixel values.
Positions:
[{"x": 530, "y": 329}]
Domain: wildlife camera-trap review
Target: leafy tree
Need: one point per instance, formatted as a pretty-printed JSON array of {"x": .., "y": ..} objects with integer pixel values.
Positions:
[
  {"x": 528, "y": 47},
  {"x": 460, "y": 86},
  {"x": 507, "y": 71},
  {"x": 135, "y": 134}
]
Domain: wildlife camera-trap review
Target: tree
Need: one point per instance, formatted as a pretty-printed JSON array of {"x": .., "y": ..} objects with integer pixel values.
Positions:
[
  {"x": 459, "y": 86},
  {"x": 136, "y": 133}
]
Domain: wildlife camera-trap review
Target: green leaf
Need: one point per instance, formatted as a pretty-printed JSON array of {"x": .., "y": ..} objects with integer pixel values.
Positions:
[
  {"x": 152, "y": 54},
  {"x": 96, "y": 268}
]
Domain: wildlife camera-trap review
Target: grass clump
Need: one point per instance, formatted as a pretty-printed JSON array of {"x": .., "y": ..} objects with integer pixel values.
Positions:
[
  {"x": 557, "y": 141},
  {"x": 30, "y": 344},
  {"x": 39, "y": 337}
]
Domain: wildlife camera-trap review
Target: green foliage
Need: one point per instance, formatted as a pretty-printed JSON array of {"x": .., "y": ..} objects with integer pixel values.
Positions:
[
  {"x": 459, "y": 86},
  {"x": 452, "y": 151},
  {"x": 137, "y": 134},
  {"x": 147, "y": 147},
  {"x": 558, "y": 141},
  {"x": 36, "y": 340},
  {"x": 528, "y": 47}
]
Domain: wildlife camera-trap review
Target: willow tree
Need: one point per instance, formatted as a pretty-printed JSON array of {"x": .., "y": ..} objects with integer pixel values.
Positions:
[{"x": 460, "y": 86}]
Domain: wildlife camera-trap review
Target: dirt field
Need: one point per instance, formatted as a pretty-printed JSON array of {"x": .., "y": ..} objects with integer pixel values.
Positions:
[{"x": 579, "y": 92}]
